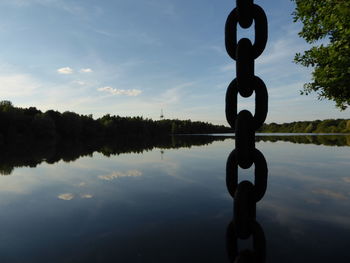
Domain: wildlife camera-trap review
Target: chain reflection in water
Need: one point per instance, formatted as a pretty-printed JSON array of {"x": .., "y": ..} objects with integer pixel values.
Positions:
[{"x": 245, "y": 193}]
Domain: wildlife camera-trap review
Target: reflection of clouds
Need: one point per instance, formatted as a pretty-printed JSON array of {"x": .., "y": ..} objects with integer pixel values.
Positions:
[
  {"x": 86, "y": 196},
  {"x": 298, "y": 217},
  {"x": 134, "y": 173},
  {"x": 331, "y": 194},
  {"x": 313, "y": 201},
  {"x": 69, "y": 196},
  {"x": 114, "y": 175},
  {"x": 346, "y": 179},
  {"x": 81, "y": 184},
  {"x": 66, "y": 196}
]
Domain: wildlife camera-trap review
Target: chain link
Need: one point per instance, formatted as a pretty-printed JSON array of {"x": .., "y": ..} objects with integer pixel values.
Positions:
[
  {"x": 260, "y": 28},
  {"x": 261, "y": 103},
  {"x": 245, "y": 67},
  {"x": 244, "y": 6},
  {"x": 244, "y": 124},
  {"x": 260, "y": 174},
  {"x": 256, "y": 255}
]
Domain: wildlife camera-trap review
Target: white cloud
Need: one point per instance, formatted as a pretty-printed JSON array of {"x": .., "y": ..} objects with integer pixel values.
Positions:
[
  {"x": 86, "y": 70},
  {"x": 65, "y": 70},
  {"x": 114, "y": 175},
  {"x": 66, "y": 196},
  {"x": 128, "y": 92}
]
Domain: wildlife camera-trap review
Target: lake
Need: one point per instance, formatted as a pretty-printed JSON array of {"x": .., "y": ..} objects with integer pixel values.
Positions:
[{"x": 169, "y": 202}]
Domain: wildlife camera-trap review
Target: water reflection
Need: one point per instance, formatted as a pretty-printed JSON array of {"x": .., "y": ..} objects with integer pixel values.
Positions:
[
  {"x": 255, "y": 255},
  {"x": 329, "y": 140},
  {"x": 178, "y": 210},
  {"x": 30, "y": 155},
  {"x": 244, "y": 224}
]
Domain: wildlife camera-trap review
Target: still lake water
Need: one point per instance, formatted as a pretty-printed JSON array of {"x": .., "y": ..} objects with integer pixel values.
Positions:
[{"x": 172, "y": 205}]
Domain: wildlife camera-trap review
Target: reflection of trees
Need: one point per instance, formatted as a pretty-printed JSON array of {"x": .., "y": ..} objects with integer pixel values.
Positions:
[
  {"x": 330, "y": 140},
  {"x": 5, "y": 169},
  {"x": 33, "y": 153}
]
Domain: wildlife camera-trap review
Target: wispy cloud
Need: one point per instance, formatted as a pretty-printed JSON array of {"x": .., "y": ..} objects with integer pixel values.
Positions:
[
  {"x": 69, "y": 6},
  {"x": 114, "y": 175},
  {"x": 65, "y": 70},
  {"x": 79, "y": 82},
  {"x": 127, "y": 92},
  {"x": 217, "y": 48},
  {"x": 86, "y": 70},
  {"x": 230, "y": 67},
  {"x": 149, "y": 39},
  {"x": 331, "y": 194},
  {"x": 17, "y": 84},
  {"x": 166, "y": 7},
  {"x": 86, "y": 196},
  {"x": 174, "y": 94}
]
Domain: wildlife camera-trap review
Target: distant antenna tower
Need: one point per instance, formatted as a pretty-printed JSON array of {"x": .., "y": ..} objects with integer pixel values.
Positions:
[{"x": 161, "y": 114}]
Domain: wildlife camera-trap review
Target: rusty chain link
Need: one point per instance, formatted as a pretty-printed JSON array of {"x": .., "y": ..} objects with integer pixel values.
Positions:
[{"x": 244, "y": 124}]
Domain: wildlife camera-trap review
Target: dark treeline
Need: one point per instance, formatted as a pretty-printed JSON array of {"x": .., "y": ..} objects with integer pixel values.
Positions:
[
  {"x": 28, "y": 124},
  {"x": 318, "y": 126},
  {"x": 33, "y": 153}
]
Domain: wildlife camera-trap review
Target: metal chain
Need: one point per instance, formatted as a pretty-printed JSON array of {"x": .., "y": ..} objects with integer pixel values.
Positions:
[
  {"x": 257, "y": 255},
  {"x": 244, "y": 124}
]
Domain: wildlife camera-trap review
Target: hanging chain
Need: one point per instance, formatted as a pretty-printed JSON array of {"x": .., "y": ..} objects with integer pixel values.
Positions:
[{"x": 244, "y": 124}]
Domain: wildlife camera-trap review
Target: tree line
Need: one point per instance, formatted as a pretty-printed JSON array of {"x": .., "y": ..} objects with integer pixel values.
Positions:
[
  {"x": 317, "y": 126},
  {"x": 23, "y": 124},
  {"x": 20, "y": 125}
]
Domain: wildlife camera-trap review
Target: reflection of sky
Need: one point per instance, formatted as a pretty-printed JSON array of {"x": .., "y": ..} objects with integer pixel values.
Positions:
[
  {"x": 138, "y": 204},
  {"x": 311, "y": 181}
]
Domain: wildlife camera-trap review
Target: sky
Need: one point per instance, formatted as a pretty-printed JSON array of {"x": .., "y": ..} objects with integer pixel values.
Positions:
[{"x": 138, "y": 57}]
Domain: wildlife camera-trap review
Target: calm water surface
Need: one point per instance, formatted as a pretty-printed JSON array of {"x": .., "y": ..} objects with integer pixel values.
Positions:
[{"x": 172, "y": 205}]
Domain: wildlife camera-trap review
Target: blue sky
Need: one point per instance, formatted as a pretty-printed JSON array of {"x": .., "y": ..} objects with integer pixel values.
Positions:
[{"x": 136, "y": 57}]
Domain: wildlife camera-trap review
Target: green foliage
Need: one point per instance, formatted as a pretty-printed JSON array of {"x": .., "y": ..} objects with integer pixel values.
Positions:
[
  {"x": 327, "y": 20},
  {"x": 325, "y": 126},
  {"x": 6, "y": 105}
]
